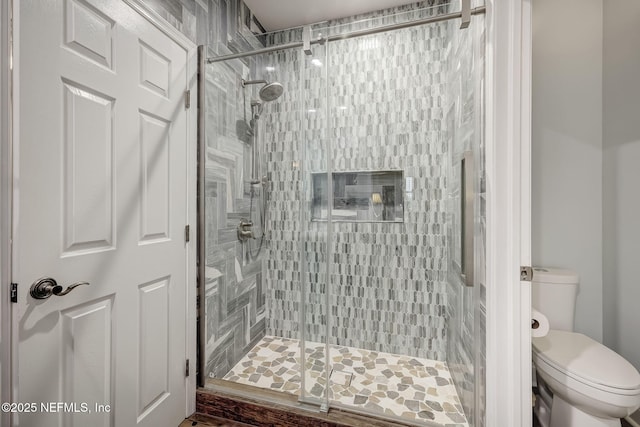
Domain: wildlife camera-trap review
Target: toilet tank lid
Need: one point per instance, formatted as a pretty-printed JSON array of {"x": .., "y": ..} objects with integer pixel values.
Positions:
[{"x": 554, "y": 275}]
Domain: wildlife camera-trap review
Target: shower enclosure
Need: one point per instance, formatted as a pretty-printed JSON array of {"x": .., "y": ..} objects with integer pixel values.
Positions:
[{"x": 342, "y": 214}]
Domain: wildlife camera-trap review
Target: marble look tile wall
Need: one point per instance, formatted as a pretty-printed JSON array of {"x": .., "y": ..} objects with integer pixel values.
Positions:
[
  {"x": 217, "y": 24},
  {"x": 234, "y": 295},
  {"x": 384, "y": 110},
  {"x": 466, "y": 326},
  {"x": 185, "y": 15}
]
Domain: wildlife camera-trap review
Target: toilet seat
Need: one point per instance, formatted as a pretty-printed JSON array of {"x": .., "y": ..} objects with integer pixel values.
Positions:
[
  {"x": 587, "y": 376},
  {"x": 587, "y": 362}
]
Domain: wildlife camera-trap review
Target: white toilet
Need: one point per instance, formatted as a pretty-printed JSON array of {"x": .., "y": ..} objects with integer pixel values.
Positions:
[{"x": 580, "y": 381}]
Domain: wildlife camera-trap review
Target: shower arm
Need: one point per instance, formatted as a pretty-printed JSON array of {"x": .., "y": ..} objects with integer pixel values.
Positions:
[{"x": 252, "y": 82}]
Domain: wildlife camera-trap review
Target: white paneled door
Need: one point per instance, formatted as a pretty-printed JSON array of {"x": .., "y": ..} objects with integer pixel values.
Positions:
[{"x": 101, "y": 198}]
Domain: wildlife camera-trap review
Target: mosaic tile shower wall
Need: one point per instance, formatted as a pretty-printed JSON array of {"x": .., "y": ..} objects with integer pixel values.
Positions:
[
  {"x": 385, "y": 111},
  {"x": 466, "y": 305},
  {"x": 234, "y": 296}
]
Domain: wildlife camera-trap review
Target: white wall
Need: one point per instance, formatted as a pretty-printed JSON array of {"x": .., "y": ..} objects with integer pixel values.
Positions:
[
  {"x": 621, "y": 130},
  {"x": 567, "y": 147}
]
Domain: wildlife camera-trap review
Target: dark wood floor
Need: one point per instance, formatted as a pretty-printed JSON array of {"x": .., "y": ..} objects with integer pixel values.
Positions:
[
  {"x": 258, "y": 407},
  {"x": 197, "y": 420}
]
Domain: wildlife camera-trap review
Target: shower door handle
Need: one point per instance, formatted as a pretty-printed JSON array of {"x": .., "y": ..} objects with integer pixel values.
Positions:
[
  {"x": 47, "y": 286},
  {"x": 467, "y": 199}
]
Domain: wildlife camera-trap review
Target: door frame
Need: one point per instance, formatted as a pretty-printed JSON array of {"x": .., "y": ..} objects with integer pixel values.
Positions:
[
  {"x": 508, "y": 165},
  {"x": 5, "y": 204},
  {"x": 9, "y": 209}
]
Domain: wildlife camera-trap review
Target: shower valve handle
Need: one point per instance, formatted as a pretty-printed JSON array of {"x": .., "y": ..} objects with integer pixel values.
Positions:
[
  {"x": 246, "y": 235},
  {"x": 244, "y": 230}
]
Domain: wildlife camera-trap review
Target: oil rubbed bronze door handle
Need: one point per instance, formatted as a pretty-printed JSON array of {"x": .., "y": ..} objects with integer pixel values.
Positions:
[{"x": 45, "y": 287}]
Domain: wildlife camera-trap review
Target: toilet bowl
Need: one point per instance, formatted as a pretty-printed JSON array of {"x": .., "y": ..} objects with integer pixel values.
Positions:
[
  {"x": 582, "y": 383},
  {"x": 592, "y": 385}
]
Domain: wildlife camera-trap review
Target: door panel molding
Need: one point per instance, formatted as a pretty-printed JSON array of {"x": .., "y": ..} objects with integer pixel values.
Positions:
[
  {"x": 87, "y": 333},
  {"x": 80, "y": 19},
  {"x": 155, "y": 178},
  {"x": 88, "y": 164},
  {"x": 153, "y": 342}
]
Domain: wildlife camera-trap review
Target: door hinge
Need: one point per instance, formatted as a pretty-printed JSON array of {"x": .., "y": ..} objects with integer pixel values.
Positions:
[
  {"x": 186, "y": 369},
  {"x": 187, "y": 99},
  {"x": 526, "y": 274},
  {"x": 14, "y": 292},
  {"x": 187, "y": 233}
]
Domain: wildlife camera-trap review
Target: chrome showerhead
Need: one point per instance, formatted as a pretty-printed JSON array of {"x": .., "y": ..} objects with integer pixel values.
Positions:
[
  {"x": 268, "y": 92},
  {"x": 271, "y": 91}
]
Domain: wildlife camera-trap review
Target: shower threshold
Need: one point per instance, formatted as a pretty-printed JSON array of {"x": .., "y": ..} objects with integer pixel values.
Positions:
[{"x": 410, "y": 388}]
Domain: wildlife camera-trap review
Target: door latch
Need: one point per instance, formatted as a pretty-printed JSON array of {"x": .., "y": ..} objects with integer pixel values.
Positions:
[{"x": 14, "y": 292}]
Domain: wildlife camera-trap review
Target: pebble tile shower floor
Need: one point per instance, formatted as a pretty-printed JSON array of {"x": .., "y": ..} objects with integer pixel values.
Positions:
[{"x": 409, "y": 387}]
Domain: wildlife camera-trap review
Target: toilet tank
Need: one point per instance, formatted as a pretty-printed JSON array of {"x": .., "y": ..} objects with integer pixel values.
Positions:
[{"x": 553, "y": 293}]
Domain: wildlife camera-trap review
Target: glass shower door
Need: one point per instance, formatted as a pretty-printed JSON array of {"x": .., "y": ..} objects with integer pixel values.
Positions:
[
  {"x": 405, "y": 140},
  {"x": 466, "y": 213},
  {"x": 316, "y": 229}
]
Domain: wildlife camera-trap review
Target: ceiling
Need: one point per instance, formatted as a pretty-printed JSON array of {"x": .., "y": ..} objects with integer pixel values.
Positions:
[{"x": 281, "y": 14}]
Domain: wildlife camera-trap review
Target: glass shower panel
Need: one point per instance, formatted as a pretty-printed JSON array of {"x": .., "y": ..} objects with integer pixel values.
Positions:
[
  {"x": 233, "y": 297},
  {"x": 282, "y": 144},
  {"x": 466, "y": 295},
  {"x": 404, "y": 102},
  {"x": 316, "y": 232},
  {"x": 388, "y": 293},
  {"x": 249, "y": 332}
]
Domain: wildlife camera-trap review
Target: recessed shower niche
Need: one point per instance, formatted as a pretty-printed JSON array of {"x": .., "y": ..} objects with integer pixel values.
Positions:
[{"x": 363, "y": 196}]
